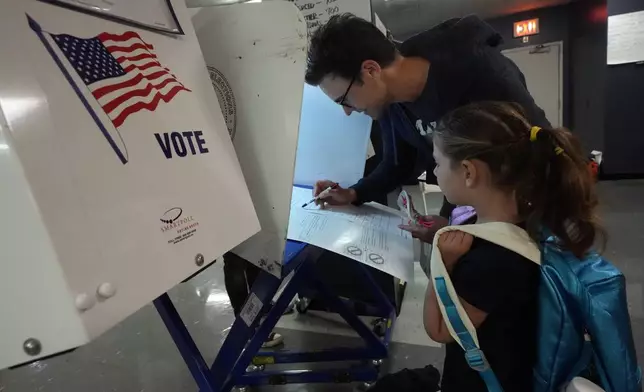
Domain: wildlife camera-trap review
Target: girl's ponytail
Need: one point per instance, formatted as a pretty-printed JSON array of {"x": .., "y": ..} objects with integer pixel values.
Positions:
[{"x": 558, "y": 191}]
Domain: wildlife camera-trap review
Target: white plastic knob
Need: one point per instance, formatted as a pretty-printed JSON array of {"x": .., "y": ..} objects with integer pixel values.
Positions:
[
  {"x": 84, "y": 302},
  {"x": 106, "y": 290}
]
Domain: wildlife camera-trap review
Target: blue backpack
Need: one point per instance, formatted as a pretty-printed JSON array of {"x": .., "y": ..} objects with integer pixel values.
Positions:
[{"x": 584, "y": 327}]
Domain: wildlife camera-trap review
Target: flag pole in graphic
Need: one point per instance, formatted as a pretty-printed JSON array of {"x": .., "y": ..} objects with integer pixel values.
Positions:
[{"x": 39, "y": 32}]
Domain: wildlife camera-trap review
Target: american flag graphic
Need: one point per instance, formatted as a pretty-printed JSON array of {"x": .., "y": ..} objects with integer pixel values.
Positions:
[{"x": 121, "y": 71}]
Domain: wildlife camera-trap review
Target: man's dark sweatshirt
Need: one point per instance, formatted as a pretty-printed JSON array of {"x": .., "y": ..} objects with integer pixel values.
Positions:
[{"x": 466, "y": 66}]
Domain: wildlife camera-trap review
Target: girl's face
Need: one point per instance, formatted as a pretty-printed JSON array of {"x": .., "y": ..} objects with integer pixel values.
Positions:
[{"x": 452, "y": 178}]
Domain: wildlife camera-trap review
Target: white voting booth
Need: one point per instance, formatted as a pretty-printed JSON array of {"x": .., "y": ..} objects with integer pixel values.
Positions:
[
  {"x": 115, "y": 190},
  {"x": 116, "y": 187},
  {"x": 256, "y": 56}
]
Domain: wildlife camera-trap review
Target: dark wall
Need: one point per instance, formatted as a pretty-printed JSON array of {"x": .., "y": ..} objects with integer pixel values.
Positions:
[
  {"x": 554, "y": 26},
  {"x": 603, "y": 104},
  {"x": 624, "y": 108},
  {"x": 588, "y": 40},
  {"x": 582, "y": 28}
]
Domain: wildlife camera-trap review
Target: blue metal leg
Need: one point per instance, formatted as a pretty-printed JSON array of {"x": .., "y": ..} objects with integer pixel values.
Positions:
[
  {"x": 299, "y": 273},
  {"x": 305, "y": 274},
  {"x": 337, "y": 305},
  {"x": 187, "y": 347},
  {"x": 375, "y": 349},
  {"x": 244, "y": 341},
  {"x": 264, "y": 288},
  {"x": 384, "y": 304}
]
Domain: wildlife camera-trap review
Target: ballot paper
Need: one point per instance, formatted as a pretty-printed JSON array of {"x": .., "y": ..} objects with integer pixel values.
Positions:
[{"x": 368, "y": 234}]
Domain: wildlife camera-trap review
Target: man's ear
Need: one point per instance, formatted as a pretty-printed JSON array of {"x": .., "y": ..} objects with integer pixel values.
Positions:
[
  {"x": 470, "y": 173},
  {"x": 371, "y": 67}
]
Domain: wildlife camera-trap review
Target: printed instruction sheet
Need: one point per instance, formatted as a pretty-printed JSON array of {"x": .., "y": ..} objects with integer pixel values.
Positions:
[
  {"x": 625, "y": 38},
  {"x": 368, "y": 234}
]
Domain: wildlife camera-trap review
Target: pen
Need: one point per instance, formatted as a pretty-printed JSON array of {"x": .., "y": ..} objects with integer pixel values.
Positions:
[{"x": 321, "y": 194}]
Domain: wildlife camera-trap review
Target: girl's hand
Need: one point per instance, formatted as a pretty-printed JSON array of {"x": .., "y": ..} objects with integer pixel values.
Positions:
[
  {"x": 426, "y": 234},
  {"x": 453, "y": 245}
]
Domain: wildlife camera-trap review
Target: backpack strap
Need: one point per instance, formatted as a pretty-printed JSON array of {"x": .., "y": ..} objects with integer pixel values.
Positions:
[
  {"x": 458, "y": 323},
  {"x": 473, "y": 354}
]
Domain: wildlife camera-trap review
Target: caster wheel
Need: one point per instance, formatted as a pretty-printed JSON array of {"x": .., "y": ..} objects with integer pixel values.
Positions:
[
  {"x": 380, "y": 327},
  {"x": 364, "y": 387},
  {"x": 302, "y": 305},
  {"x": 255, "y": 368},
  {"x": 251, "y": 368}
]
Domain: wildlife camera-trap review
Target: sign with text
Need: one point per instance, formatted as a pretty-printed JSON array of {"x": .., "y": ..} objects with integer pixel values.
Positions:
[
  {"x": 318, "y": 12},
  {"x": 526, "y": 28},
  {"x": 625, "y": 38}
]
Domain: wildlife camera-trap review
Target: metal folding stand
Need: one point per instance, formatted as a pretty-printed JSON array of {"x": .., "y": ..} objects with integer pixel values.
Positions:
[{"x": 258, "y": 318}]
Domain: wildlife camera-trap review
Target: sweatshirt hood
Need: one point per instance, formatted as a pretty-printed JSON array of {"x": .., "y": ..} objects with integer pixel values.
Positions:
[{"x": 469, "y": 33}]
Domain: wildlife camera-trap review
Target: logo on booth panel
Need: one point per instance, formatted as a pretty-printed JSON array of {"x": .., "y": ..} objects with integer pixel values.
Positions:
[
  {"x": 171, "y": 215},
  {"x": 118, "y": 72},
  {"x": 177, "y": 226},
  {"x": 226, "y": 99}
]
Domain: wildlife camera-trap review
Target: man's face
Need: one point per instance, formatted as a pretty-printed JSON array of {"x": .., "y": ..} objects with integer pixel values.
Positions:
[{"x": 366, "y": 95}]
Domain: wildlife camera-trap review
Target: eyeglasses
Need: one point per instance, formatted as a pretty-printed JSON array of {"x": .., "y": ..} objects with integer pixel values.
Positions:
[{"x": 343, "y": 98}]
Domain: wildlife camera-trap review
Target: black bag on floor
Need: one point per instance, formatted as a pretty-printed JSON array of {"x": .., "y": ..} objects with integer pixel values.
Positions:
[{"x": 426, "y": 379}]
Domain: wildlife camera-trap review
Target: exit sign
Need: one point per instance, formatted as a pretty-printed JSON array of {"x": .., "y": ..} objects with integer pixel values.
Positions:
[{"x": 526, "y": 28}]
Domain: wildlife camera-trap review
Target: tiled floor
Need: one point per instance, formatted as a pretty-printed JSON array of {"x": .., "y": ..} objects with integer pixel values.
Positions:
[{"x": 138, "y": 355}]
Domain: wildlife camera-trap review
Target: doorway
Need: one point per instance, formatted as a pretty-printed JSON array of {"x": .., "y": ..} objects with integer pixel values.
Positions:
[{"x": 542, "y": 66}]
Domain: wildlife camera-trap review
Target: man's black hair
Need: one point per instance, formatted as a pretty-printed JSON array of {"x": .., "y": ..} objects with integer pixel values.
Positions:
[{"x": 341, "y": 46}]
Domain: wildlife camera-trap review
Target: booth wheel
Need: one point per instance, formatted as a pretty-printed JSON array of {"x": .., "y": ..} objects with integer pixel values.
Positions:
[
  {"x": 255, "y": 368},
  {"x": 302, "y": 305},
  {"x": 380, "y": 327},
  {"x": 364, "y": 387}
]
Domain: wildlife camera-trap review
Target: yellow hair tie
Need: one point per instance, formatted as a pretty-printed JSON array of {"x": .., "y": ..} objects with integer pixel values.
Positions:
[{"x": 533, "y": 138}]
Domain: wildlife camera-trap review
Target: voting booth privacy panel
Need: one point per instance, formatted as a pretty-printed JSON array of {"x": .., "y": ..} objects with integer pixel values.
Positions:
[
  {"x": 331, "y": 144},
  {"x": 256, "y": 57},
  {"x": 116, "y": 185}
]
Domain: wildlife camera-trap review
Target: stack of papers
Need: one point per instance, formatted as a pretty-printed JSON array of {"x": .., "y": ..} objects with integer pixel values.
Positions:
[{"x": 368, "y": 234}]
